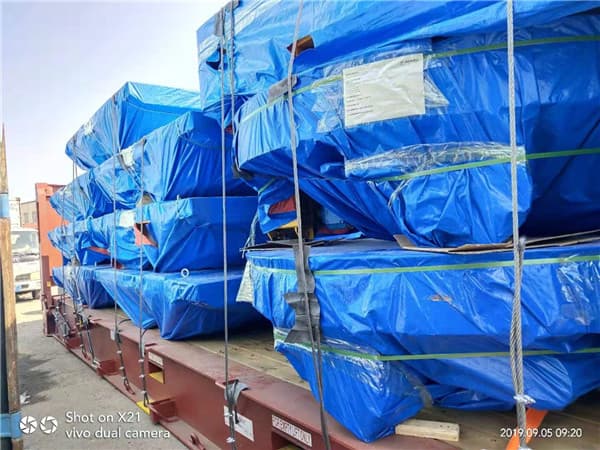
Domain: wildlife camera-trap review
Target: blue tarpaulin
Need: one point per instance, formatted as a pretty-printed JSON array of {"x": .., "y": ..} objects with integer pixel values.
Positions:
[
  {"x": 193, "y": 305},
  {"x": 188, "y": 233},
  {"x": 81, "y": 199},
  {"x": 178, "y": 234},
  {"x": 180, "y": 159},
  {"x": 181, "y": 306},
  {"x": 131, "y": 113},
  {"x": 96, "y": 240},
  {"x": 124, "y": 288},
  {"x": 73, "y": 241},
  {"x": 264, "y": 31},
  {"x": 82, "y": 286},
  {"x": 463, "y": 102},
  {"x": 379, "y": 302}
]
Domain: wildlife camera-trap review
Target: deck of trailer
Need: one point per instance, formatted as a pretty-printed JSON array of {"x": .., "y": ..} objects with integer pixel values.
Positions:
[
  {"x": 478, "y": 430},
  {"x": 186, "y": 389}
]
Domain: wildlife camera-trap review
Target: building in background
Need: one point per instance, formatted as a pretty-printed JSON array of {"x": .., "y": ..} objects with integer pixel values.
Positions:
[
  {"x": 29, "y": 218},
  {"x": 15, "y": 212}
]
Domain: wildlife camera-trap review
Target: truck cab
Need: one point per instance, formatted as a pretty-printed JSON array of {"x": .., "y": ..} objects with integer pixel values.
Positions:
[{"x": 26, "y": 261}]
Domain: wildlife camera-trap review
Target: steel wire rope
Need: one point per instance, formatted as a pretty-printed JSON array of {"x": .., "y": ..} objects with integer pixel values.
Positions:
[{"x": 516, "y": 326}]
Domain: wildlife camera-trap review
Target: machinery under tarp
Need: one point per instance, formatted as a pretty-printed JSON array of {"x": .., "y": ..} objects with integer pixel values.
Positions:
[
  {"x": 192, "y": 305},
  {"x": 81, "y": 285},
  {"x": 182, "y": 306},
  {"x": 175, "y": 235},
  {"x": 131, "y": 113},
  {"x": 180, "y": 159},
  {"x": 73, "y": 240},
  {"x": 97, "y": 241},
  {"x": 331, "y": 30},
  {"x": 188, "y": 233},
  {"x": 380, "y": 304},
  {"x": 435, "y": 139},
  {"x": 80, "y": 199},
  {"x": 123, "y": 286}
]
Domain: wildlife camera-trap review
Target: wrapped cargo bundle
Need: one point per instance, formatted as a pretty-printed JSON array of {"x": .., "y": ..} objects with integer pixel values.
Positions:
[
  {"x": 192, "y": 305},
  {"x": 95, "y": 239},
  {"x": 188, "y": 233},
  {"x": 383, "y": 337},
  {"x": 182, "y": 306},
  {"x": 81, "y": 284},
  {"x": 330, "y": 30},
  {"x": 131, "y": 113},
  {"x": 413, "y": 97},
  {"x": 437, "y": 195},
  {"x": 73, "y": 241},
  {"x": 123, "y": 286},
  {"x": 178, "y": 234},
  {"x": 180, "y": 159},
  {"x": 81, "y": 199}
]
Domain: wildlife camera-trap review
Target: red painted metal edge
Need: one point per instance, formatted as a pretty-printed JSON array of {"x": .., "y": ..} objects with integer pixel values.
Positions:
[{"x": 186, "y": 391}]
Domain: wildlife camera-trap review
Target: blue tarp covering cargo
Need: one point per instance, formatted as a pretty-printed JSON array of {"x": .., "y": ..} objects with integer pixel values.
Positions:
[
  {"x": 95, "y": 239},
  {"x": 188, "y": 233},
  {"x": 181, "y": 306},
  {"x": 114, "y": 235},
  {"x": 193, "y": 305},
  {"x": 379, "y": 302},
  {"x": 178, "y": 234},
  {"x": 82, "y": 286},
  {"x": 74, "y": 242},
  {"x": 453, "y": 93},
  {"x": 181, "y": 159},
  {"x": 330, "y": 30},
  {"x": 131, "y": 113},
  {"x": 81, "y": 199},
  {"x": 434, "y": 195},
  {"x": 124, "y": 288}
]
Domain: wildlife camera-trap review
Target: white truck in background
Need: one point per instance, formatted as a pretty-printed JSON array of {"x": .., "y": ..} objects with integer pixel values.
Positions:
[{"x": 26, "y": 261}]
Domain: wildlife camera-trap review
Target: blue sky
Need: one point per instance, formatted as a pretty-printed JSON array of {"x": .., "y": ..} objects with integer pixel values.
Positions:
[{"x": 61, "y": 61}]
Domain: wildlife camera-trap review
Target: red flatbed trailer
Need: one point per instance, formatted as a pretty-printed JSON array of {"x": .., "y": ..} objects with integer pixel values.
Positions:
[{"x": 185, "y": 384}]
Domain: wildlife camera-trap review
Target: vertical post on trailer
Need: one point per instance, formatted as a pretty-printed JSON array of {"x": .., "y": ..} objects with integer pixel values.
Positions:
[{"x": 10, "y": 384}]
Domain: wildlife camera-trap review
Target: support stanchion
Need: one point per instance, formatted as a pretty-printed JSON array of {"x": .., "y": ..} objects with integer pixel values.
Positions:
[{"x": 10, "y": 379}]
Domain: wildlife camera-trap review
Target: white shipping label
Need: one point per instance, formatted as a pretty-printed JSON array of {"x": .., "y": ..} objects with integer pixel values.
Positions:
[
  {"x": 244, "y": 426},
  {"x": 384, "y": 90}
]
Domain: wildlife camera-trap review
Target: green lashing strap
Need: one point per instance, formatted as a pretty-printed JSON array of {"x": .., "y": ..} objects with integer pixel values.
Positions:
[
  {"x": 491, "y": 162},
  {"x": 279, "y": 337},
  {"x": 475, "y": 164},
  {"x": 437, "y": 268}
]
